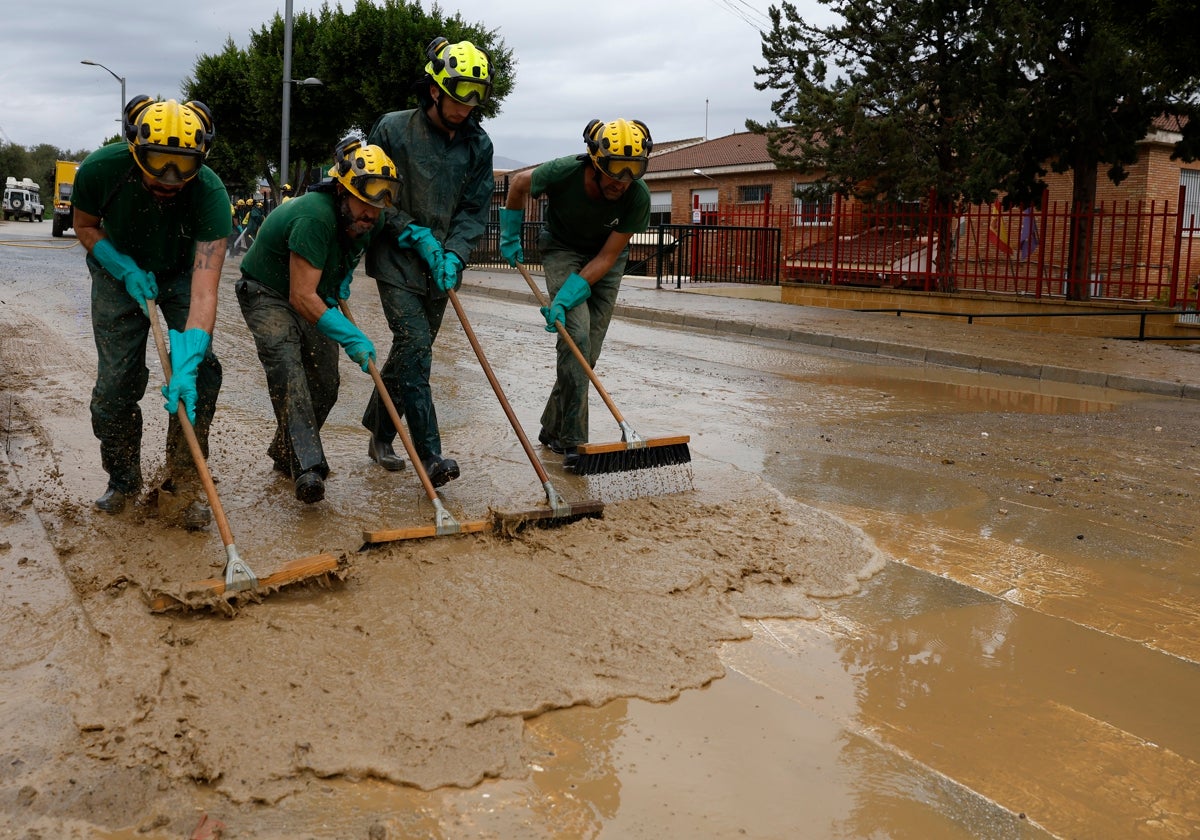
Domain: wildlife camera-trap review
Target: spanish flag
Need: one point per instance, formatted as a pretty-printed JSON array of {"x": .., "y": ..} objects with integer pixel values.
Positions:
[{"x": 1000, "y": 230}]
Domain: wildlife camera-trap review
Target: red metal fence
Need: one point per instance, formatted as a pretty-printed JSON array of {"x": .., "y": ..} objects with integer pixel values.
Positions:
[{"x": 1140, "y": 252}]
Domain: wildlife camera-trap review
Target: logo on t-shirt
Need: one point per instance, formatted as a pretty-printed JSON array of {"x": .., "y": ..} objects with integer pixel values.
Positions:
[{"x": 616, "y": 220}]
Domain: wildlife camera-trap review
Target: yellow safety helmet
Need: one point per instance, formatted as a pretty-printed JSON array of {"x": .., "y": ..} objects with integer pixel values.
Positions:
[
  {"x": 366, "y": 171},
  {"x": 462, "y": 70},
  {"x": 168, "y": 140},
  {"x": 620, "y": 148},
  {"x": 241, "y": 202}
]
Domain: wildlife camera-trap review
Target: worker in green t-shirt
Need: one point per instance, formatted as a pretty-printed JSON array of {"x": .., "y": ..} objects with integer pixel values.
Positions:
[
  {"x": 154, "y": 220},
  {"x": 595, "y": 202},
  {"x": 300, "y": 265}
]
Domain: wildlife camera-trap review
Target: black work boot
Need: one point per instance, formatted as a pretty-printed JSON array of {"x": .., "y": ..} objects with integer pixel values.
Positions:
[
  {"x": 381, "y": 453},
  {"x": 551, "y": 442},
  {"x": 571, "y": 459},
  {"x": 440, "y": 470},
  {"x": 310, "y": 487},
  {"x": 112, "y": 502}
]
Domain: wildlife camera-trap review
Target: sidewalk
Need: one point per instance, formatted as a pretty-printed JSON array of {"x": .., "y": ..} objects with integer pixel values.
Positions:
[{"x": 1149, "y": 367}]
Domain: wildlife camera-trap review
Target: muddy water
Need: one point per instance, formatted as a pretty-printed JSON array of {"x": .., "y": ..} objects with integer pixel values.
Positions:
[{"x": 1019, "y": 659}]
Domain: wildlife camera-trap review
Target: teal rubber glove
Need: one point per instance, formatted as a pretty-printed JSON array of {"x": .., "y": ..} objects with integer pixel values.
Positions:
[
  {"x": 510, "y": 235},
  {"x": 573, "y": 292},
  {"x": 450, "y": 272},
  {"x": 188, "y": 349},
  {"x": 357, "y": 346},
  {"x": 422, "y": 240},
  {"x": 344, "y": 289},
  {"x": 140, "y": 284}
]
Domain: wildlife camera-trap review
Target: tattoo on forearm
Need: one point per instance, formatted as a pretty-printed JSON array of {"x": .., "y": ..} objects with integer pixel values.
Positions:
[{"x": 210, "y": 254}]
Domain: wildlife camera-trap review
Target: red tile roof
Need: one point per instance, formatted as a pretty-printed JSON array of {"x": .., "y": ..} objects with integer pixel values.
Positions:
[{"x": 739, "y": 149}]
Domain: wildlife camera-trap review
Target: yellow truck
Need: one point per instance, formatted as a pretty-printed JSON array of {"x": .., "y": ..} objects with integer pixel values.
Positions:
[{"x": 64, "y": 184}]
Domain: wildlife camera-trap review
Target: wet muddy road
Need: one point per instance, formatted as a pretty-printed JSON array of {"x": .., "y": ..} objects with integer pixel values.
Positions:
[{"x": 900, "y": 601}]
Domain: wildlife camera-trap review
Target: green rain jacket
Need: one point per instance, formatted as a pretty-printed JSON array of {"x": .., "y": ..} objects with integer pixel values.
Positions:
[{"x": 447, "y": 187}]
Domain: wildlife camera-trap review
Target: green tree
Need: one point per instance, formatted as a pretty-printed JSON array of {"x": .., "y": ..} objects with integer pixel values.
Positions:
[
  {"x": 887, "y": 101},
  {"x": 971, "y": 97},
  {"x": 1088, "y": 81},
  {"x": 367, "y": 58},
  {"x": 235, "y": 155}
]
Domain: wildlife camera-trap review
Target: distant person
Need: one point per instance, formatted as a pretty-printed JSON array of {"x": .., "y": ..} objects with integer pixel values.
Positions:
[
  {"x": 595, "y": 203},
  {"x": 154, "y": 220},
  {"x": 285, "y": 194},
  {"x": 445, "y": 160},
  {"x": 298, "y": 268}
]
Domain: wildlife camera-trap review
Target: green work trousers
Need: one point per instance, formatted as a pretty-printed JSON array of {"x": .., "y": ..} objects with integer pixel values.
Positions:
[
  {"x": 566, "y": 413},
  {"x": 301, "y": 364},
  {"x": 414, "y": 319},
  {"x": 121, "y": 331}
]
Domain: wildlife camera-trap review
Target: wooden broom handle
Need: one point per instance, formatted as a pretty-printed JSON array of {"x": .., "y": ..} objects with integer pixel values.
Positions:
[
  {"x": 487, "y": 369},
  {"x": 386, "y": 399},
  {"x": 562, "y": 331},
  {"x": 210, "y": 488}
]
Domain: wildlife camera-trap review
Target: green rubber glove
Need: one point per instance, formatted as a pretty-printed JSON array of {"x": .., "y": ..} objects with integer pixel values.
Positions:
[
  {"x": 357, "y": 346},
  {"x": 573, "y": 292},
  {"x": 140, "y": 284},
  {"x": 450, "y": 272},
  {"x": 188, "y": 349},
  {"x": 422, "y": 240},
  {"x": 510, "y": 235}
]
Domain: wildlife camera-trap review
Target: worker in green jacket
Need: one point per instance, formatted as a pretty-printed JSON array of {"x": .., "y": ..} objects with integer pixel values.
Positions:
[{"x": 445, "y": 160}]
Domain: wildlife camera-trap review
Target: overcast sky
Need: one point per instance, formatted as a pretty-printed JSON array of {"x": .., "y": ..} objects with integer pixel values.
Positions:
[{"x": 684, "y": 67}]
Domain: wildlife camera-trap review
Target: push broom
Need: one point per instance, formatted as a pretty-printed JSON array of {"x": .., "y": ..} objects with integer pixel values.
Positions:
[
  {"x": 559, "y": 511},
  {"x": 443, "y": 522},
  {"x": 238, "y": 575},
  {"x": 632, "y": 452}
]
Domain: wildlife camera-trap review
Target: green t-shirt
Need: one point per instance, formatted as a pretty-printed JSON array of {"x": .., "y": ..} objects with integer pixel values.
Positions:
[
  {"x": 159, "y": 234},
  {"x": 580, "y": 222},
  {"x": 307, "y": 226}
]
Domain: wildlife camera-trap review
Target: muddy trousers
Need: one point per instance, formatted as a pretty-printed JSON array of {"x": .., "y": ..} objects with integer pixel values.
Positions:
[
  {"x": 301, "y": 364},
  {"x": 566, "y": 413},
  {"x": 414, "y": 320},
  {"x": 121, "y": 332}
]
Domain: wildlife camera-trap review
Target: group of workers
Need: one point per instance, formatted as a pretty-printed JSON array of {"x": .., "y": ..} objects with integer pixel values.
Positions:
[{"x": 414, "y": 198}]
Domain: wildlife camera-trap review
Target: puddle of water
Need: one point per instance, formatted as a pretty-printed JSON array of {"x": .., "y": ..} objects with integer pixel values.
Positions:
[
  {"x": 1016, "y": 705},
  {"x": 903, "y": 389}
]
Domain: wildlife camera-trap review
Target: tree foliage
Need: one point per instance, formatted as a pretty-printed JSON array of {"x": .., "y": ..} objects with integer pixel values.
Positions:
[
  {"x": 969, "y": 98},
  {"x": 367, "y": 58}
]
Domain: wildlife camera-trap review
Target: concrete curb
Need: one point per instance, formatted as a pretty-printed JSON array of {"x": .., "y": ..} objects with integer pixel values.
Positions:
[{"x": 870, "y": 347}]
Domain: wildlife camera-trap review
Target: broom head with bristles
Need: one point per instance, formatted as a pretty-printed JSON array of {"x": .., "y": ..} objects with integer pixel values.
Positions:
[{"x": 652, "y": 453}]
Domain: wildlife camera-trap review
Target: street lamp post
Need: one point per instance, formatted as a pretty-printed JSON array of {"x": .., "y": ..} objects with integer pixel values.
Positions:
[
  {"x": 121, "y": 79},
  {"x": 288, "y": 81}
]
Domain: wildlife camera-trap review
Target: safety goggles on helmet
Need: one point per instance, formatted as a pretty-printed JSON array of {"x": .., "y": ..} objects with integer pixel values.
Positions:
[
  {"x": 622, "y": 168},
  {"x": 462, "y": 70},
  {"x": 466, "y": 91},
  {"x": 378, "y": 190},
  {"x": 170, "y": 166},
  {"x": 366, "y": 171}
]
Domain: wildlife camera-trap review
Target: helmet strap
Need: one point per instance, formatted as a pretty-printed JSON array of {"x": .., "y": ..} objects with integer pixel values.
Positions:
[{"x": 438, "y": 98}]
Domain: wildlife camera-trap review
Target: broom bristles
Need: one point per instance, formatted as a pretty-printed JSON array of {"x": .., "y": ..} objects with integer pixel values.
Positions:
[{"x": 651, "y": 456}]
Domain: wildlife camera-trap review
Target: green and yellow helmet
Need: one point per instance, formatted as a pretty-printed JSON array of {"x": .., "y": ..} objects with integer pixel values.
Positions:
[
  {"x": 462, "y": 70},
  {"x": 168, "y": 140},
  {"x": 620, "y": 148},
  {"x": 366, "y": 171}
]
